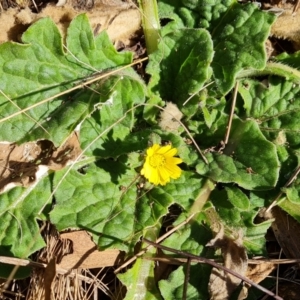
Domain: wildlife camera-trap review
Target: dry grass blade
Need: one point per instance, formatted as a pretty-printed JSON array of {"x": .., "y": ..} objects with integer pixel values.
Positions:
[
  {"x": 49, "y": 275},
  {"x": 79, "y": 86},
  {"x": 231, "y": 112},
  {"x": 26, "y": 114},
  {"x": 188, "y": 132}
]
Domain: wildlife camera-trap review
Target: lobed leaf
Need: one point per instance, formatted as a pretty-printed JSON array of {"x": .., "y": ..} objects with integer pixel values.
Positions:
[
  {"x": 113, "y": 117},
  {"x": 240, "y": 219},
  {"x": 250, "y": 160},
  {"x": 100, "y": 200},
  {"x": 239, "y": 41},
  {"x": 40, "y": 68},
  {"x": 195, "y": 13},
  {"x": 19, "y": 210},
  {"x": 238, "y": 32},
  {"x": 276, "y": 107},
  {"x": 181, "y": 64}
]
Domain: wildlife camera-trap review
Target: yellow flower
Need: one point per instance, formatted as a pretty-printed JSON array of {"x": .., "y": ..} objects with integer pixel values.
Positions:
[{"x": 161, "y": 165}]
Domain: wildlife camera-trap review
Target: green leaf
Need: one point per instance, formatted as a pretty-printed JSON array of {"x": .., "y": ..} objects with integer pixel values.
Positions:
[
  {"x": 236, "y": 219},
  {"x": 238, "y": 31},
  {"x": 104, "y": 198},
  {"x": 239, "y": 43},
  {"x": 191, "y": 237},
  {"x": 237, "y": 198},
  {"x": 227, "y": 211},
  {"x": 19, "y": 208},
  {"x": 291, "y": 207},
  {"x": 181, "y": 64},
  {"x": 292, "y": 194},
  {"x": 187, "y": 153},
  {"x": 276, "y": 107},
  {"x": 292, "y": 60},
  {"x": 291, "y": 203},
  {"x": 255, "y": 240},
  {"x": 186, "y": 189},
  {"x": 40, "y": 69},
  {"x": 250, "y": 161},
  {"x": 154, "y": 204},
  {"x": 195, "y": 13},
  {"x": 173, "y": 287},
  {"x": 113, "y": 121},
  {"x": 100, "y": 200},
  {"x": 139, "y": 281}
]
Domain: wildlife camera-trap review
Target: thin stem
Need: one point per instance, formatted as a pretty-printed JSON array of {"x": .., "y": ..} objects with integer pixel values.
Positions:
[
  {"x": 151, "y": 25},
  {"x": 231, "y": 112}
]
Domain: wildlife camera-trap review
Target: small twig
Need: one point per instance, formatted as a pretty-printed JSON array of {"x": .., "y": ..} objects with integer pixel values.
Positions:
[
  {"x": 82, "y": 62},
  {"x": 277, "y": 273},
  {"x": 187, "y": 131},
  {"x": 144, "y": 250},
  {"x": 186, "y": 279},
  {"x": 231, "y": 112},
  {"x": 36, "y": 7},
  {"x": 215, "y": 265},
  {"x": 189, "y": 98},
  {"x": 284, "y": 279},
  {"x": 288, "y": 183}
]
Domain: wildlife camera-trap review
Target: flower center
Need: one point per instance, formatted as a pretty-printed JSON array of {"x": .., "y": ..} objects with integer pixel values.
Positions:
[{"x": 157, "y": 160}]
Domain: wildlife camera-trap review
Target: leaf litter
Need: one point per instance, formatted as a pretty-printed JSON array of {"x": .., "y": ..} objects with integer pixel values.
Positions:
[
  {"x": 20, "y": 163},
  {"x": 21, "y": 167}
]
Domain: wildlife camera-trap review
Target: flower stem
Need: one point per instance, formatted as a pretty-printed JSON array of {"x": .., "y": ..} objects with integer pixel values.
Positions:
[
  {"x": 203, "y": 196},
  {"x": 151, "y": 25}
]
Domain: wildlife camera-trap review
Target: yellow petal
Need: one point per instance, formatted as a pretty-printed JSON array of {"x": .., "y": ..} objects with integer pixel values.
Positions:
[
  {"x": 175, "y": 172},
  {"x": 146, "y": 171},
  {"x": 153, "y": 149},
  {"x": 173, "y": 161},
  {"x": 172, "y": 152},
  {"x": 164, "y": 175},
  {"x": 164, "y": 149},
  {"x": 154, "y": 178}
]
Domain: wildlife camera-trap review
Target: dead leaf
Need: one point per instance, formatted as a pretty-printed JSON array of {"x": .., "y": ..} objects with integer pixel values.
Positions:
[
  {"x": 19, "y": 164},
  {"x": 287, "y": 26},
  {"x": 286, "y": 230},
  {"x": 222, "y": 284},
  {"x": 169, "y": 116},
  {"x": 259, "y": 272},
  {"x": 85, "y": 253},
  {"x": 119, "y": 19}
]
